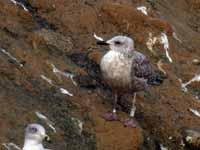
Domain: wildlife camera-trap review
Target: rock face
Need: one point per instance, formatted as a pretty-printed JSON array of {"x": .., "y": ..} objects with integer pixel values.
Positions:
[
  {"x": 51, "y": 40},
  {"x": 37, "y": 36}
]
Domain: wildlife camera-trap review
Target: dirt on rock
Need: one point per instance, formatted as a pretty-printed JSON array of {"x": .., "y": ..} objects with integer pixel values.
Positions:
[{"x": 38, "y": 35}]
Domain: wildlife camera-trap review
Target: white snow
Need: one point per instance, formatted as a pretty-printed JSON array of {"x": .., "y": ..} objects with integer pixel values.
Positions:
[
  {"x": 11, "y": 146},
  {"x": 162, "y": 147},
  {"x": 195, "y": 112},
  {"x": 11, "y": 57},
  {"x": 176, "y": 37},
  {"x": 46, "y": 79},
  {"x": 64, "y": 91},
  {"x": 44, "y": 118},
  {"x": 184, "y": 85},
  {"x": 98, "y": 37},
  {"x": 18, "y": 3},
  {"x": 164, "y": 40},
  {"x": 143, "y": 9},
  {"x": 65, "y": 74}
]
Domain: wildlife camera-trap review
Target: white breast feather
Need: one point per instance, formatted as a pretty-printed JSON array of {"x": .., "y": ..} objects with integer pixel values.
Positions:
[
  {"x": 115, "y": 67},
  {"x": 28, "y": 146}
]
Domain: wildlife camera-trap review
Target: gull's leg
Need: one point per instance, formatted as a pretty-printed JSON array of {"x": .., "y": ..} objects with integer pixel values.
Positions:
[
  {"x": 115, "y": 103},
  {"x": 131, "y": 122},
  {"x": 133, "y": 109},
  {"x": 112, "y": 116}
]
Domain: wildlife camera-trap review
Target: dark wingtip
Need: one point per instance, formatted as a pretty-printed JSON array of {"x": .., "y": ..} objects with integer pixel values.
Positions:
[
  {"x": 102, "y": 43},
  {"x": 157, "y": 79},
  {"x": 155, "y": 82}
]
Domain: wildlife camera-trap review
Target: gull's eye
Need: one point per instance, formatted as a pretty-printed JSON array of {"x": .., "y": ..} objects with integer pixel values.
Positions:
[
  {"x": 33, "y": 130},
  {"x": 117, "y": 42}
]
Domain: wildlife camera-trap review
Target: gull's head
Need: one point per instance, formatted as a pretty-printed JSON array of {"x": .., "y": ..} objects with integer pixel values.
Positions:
[
  {"x": 119, "y": 43},
  {"x": 36, "y": 133}
]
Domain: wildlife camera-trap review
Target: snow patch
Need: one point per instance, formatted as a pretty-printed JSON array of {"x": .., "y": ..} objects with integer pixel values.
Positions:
[
  {"x": 196, "y": 78},
  {"x": 46, "y": 79},
  {"x": 20, "y": 4},
  {"x": 11, "y": 57},
  {"x": 162, "y": 39},
  {"x": 65, "y": 74},
  {"x": 195, "y": 112},
  {"x": 98, "y": 37},
  {"x": 176, "y": 37},
  {"x": 162, "y": 147},
  {"x": 64, "y": 91},
  {"x": 11, "y": 146},
  {"x": 143, "y": 9},
  {"x": 44, "y": 118}
]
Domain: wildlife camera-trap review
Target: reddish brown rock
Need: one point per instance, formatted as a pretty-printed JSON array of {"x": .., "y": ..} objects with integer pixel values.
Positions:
[
  {"x": 133, "y": 21},
  {"x": 161, "y": 112},
  {"x": 51, "y": 39}
]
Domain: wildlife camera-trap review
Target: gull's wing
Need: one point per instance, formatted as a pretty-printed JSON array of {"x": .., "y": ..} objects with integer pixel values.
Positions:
[
  {"x": 141, "y": 67},
  {"x": 143, "y": 72}
]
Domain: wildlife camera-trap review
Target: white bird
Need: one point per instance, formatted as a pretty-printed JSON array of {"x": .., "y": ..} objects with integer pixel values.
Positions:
[{"x": 34, "y": 135}]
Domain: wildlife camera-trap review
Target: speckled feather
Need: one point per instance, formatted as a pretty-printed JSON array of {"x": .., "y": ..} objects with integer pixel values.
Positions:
[{"x": 141, "y": 66}]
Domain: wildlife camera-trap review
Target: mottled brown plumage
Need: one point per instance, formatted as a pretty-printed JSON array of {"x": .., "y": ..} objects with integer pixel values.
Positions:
[{"x": 126, "y": 70}]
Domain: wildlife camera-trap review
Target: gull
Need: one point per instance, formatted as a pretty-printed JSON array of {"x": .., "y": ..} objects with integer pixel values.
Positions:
[
  {"x": 126, "y": 70},
  {"x": 34, "y": 135}
]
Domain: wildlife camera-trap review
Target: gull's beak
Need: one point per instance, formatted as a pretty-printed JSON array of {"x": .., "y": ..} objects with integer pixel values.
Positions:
[
  {"x": 100, "y": 40},
  {"x": 102, "y": 43},
  {"x": 47, "y": 138}
]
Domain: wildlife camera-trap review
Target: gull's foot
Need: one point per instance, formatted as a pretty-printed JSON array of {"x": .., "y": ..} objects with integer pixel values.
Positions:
[
  {"x": 130, "y": 122},
  {"x": 110, "y": 117}
]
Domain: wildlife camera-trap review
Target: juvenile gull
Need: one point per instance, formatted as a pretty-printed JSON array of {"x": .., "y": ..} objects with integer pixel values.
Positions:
[
  {"x": 34, "y": 135},
  {"x": 126, "y": 71}
]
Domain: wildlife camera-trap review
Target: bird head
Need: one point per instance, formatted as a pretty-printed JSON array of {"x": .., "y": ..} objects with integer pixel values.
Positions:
[
  {"x": 36, "y": 133},
  {"x": 119, "y": 43}
]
